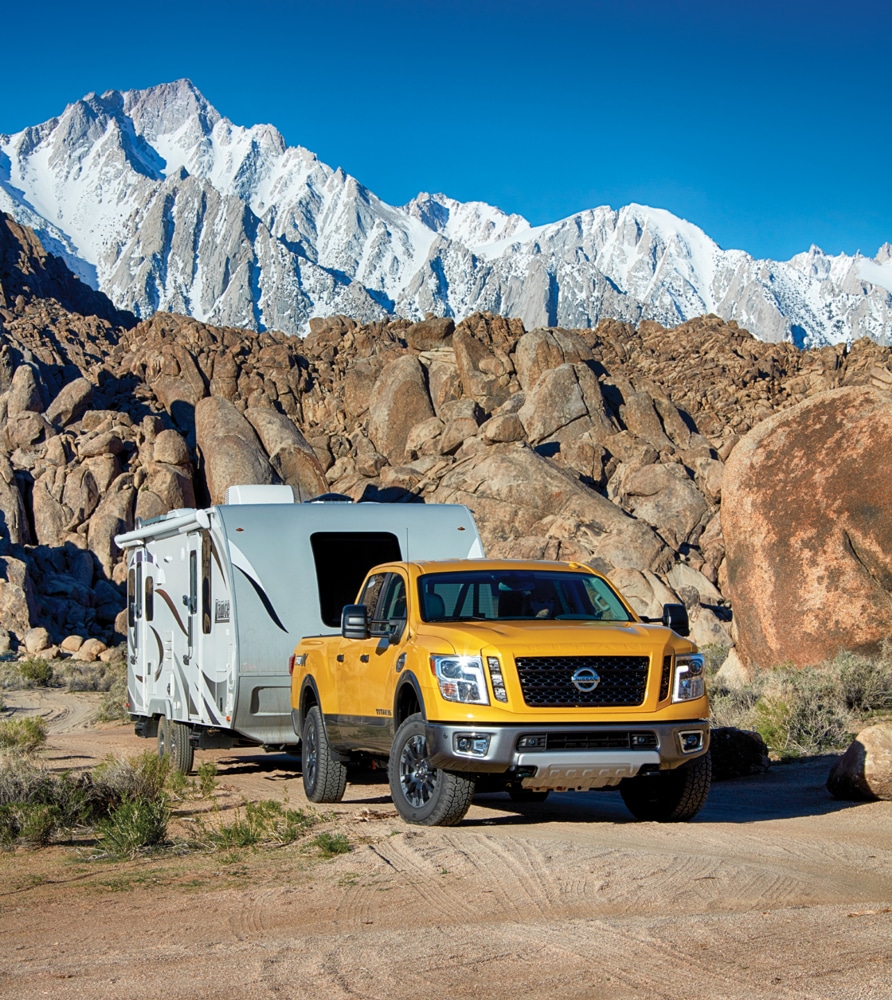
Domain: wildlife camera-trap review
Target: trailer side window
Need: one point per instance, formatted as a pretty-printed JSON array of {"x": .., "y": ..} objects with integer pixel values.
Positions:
[
  {"x": 150, "y": 598},
  {"x": 205, "y": 584},
  {"x": 193, "y": 583},
  {"x": 132, "y": 598},
  {"x": 342, "y": 560}
]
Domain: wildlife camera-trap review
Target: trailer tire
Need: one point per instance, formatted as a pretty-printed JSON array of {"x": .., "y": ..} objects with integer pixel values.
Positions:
[
  {"x": 669, "y": 796},
  {"x": 325, "y": 777},
  {"x": 163, "y": 736},
  {"x": 179, "y": 748},
  {"x": 422, "y": 794}
]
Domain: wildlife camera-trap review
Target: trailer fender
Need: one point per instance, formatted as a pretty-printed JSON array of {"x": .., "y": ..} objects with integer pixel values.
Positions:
[{"x": 161, "y": 706}]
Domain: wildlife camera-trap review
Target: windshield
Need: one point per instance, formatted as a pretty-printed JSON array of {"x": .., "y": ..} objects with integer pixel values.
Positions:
[{"x": 518, "y": 595}]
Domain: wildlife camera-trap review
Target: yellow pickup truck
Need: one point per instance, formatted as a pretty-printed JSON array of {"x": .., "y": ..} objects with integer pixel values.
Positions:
[{"x": 523, "y": 676}]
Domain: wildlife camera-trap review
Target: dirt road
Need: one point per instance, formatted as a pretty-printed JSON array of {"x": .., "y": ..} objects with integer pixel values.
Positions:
[{"x": 774, "y": 891}]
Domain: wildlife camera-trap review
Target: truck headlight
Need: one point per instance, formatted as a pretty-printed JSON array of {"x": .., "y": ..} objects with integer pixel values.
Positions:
[
  {"x": 688, "y": 677},
  {"x": 461, "y": 678}
]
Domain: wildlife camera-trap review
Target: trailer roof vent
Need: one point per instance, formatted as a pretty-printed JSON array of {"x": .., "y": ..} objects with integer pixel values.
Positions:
[
  {"x": 259, "y": 494},
  {"x": 330, "y": 498}
]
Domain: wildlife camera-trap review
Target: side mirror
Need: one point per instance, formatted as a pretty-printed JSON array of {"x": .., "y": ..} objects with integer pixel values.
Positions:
[
  {"x": 675, "y": 616},
  {"x": 355, "y": 621}
]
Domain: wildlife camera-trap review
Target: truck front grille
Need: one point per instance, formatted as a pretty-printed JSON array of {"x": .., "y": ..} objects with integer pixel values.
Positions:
[{"x": 547, "y": 681}]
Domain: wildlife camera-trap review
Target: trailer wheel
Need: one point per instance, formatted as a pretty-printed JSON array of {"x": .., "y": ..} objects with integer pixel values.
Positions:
[
  {"x": 163, "y": 736},
  {"x": 179, "y": 749},
  {"x": 423, "y": 794},
  {"x": 325, "y": 777},
  {"x": 669, "y": 796}
]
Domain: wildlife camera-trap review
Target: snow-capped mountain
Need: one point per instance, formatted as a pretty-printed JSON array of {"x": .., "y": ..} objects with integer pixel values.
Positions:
[{"x": 157, "y": 200}]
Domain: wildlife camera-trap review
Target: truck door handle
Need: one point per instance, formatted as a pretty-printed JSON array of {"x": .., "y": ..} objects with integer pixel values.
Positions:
[{"x": 364, "y": 657}]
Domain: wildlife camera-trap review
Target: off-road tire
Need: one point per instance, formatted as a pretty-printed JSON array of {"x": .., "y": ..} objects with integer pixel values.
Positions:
[
  {"x": 324, "y": 776},
  {"x": 179, "y": 749},
  {"x": 669, "y": 796},
  {"x": 422, "y": 794}
]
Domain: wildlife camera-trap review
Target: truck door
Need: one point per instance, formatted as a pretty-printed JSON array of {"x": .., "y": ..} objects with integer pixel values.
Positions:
[{"x": 368, "y": 666}]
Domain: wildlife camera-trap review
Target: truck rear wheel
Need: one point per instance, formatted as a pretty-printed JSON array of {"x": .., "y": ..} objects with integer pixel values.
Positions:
[
  {"x": 423, "y": 794},
  {"x": 325, "y": 777},
  {"x": 669, "y": 796}
]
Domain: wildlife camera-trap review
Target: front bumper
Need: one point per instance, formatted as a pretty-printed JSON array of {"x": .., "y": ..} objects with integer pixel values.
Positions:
[{"x": 569, "y": 757}]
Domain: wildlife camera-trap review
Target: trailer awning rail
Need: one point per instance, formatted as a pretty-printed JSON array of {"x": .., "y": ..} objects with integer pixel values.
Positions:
[{"x": 193, "y": 520}]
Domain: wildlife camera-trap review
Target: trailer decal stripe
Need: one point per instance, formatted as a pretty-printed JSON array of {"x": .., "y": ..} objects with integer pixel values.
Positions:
[
  {"x": 168, "y": 600},
  {"x": 264, "y": 600}
]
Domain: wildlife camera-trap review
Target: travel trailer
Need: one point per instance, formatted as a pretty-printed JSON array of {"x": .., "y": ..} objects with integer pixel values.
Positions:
[{"x": 218, "y": 598}]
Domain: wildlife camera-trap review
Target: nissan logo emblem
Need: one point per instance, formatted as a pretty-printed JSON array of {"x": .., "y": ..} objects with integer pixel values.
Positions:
[{"x": 585, "y": 679}]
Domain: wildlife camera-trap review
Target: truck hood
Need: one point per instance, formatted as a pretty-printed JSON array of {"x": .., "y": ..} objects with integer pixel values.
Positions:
[{"x": 543, "y": 638}]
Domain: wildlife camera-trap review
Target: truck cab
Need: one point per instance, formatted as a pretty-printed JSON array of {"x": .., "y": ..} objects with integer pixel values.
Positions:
[{"x": 529, "y": 676}]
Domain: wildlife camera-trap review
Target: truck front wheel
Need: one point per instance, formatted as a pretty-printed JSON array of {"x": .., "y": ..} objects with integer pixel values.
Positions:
[
  {"x": 423, "y": 794},
  {"x": 325, "y": 777},
  {"x": 669, "y": 796}
]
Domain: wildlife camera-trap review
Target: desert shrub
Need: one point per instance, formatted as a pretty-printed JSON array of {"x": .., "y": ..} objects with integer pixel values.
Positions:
[
  {"x": 35, "y": 803},
  {"x": 267, "y": 822},
  {"x": 329, "y": 845},
  {"x": 866, "y": 681},
  {"x": 135, "y": 824},
  {"x": 145, "y": 776},
  {"x": 207, "y": 778},
  {"x": 26, "y": 734},
  {"x": 811, "y": 710},
  {"x": 35, "y": 672}
]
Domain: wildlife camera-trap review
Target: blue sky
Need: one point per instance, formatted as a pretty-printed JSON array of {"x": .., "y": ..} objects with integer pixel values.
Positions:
[{"x": 766, "y": 124}]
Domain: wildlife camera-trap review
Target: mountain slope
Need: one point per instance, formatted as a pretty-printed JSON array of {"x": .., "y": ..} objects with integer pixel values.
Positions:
[{"x": 159, "y": 201}]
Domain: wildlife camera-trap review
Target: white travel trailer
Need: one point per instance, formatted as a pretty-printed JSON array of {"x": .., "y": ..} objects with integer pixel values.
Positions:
[{"x": 217, "y": 599}]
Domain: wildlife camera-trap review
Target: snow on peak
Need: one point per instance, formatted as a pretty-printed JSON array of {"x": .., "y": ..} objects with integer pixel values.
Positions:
[{"x": 163, "y": 203}]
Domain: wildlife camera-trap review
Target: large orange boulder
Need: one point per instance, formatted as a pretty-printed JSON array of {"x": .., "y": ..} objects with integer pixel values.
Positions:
[{"x": 807, "y": 522}]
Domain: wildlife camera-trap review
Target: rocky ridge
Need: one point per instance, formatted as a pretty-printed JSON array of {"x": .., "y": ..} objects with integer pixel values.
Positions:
[
  {"x": 605, "y": 445},
  {"x": 157, "y": 199}
]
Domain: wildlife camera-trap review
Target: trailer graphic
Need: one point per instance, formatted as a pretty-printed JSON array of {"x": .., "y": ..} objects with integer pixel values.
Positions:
[{"x": 218, "y": 598}]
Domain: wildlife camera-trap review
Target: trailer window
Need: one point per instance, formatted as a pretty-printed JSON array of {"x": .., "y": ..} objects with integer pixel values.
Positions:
[
  {"x": 205, "y": 584},
  {"x": 132, "y": 598},
  {"x": 150, "y": 598},
  {"x": 342, "y": 559}
]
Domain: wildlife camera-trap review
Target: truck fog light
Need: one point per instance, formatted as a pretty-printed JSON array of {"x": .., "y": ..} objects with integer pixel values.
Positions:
[
  {"x": 691, "y": 741},
  {"x": 532, "y": 742},
  {"x": 471, "y": 744}
]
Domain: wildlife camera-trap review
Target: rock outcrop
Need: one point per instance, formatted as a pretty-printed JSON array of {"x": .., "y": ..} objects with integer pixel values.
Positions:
[
  {"x": 864, "y": 771},
  {"x": 807, "y": 523},
  {"x": 605, "y": 445}
]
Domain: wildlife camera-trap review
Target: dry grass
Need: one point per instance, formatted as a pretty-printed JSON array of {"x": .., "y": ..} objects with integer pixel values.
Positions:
[{"x": 809, "y": 711}]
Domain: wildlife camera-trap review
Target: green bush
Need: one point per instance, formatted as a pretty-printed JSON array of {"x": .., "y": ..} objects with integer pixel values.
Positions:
[
  {"x": 36, "y": 672},
  {"x": 330, "y": 845},
  {"x": 135, "y": 824},
  {"x": 25, "y": 735},
  {"x": 267, "y": 822},
  {"x": 207, "y": 778}
]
